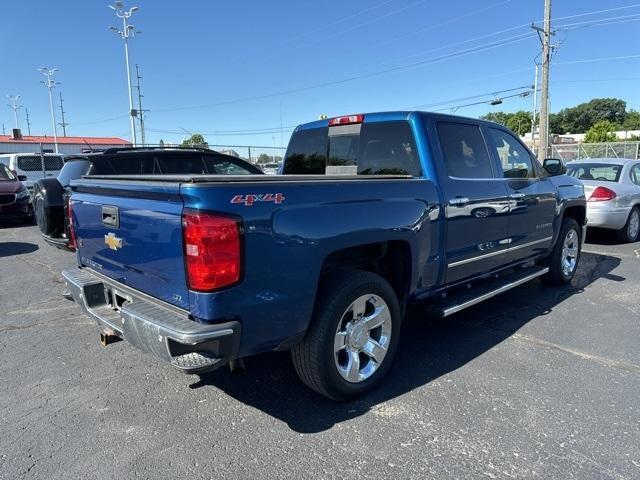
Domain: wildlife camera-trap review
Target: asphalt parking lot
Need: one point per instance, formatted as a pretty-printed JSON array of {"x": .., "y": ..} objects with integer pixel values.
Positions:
[{"x": 537, "y": 383}]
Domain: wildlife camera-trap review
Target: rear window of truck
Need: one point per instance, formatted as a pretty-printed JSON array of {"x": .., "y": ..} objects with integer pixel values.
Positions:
[
  {"x": 379, "y": 148},
  {"x": 603, "y": 172}
]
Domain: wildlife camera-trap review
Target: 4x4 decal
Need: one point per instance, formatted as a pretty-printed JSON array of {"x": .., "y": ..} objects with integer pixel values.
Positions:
[{"x": 250, "y": 199}]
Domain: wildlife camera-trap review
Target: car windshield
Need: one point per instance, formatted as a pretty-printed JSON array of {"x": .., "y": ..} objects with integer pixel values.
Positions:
[
  {"x": 602, "y": 172},
  {"x": 6, "y": 174}
]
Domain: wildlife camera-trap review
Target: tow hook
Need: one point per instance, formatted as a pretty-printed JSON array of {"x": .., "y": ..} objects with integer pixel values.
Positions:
[
  {"x": 237, "y": 366},
  {"x": 108, "y": 337}
]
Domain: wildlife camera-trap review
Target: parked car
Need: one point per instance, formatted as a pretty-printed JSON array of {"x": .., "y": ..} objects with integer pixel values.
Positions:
[
  {"x": 33, "y": 166},
  {"x": 271, "y": 168},
  {"x": 612, "y": 187},
  {"x": 49, "y": 194},
  {"x": 14, "y": 197},
  {"x": 374, "y": 212}
]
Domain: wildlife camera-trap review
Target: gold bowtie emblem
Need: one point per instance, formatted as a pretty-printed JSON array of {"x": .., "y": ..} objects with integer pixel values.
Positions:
[{"x": 113, "y": 242}]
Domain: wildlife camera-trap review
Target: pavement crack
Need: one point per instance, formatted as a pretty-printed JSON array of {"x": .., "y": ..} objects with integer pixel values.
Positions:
[{"x": 607, "y": 362}]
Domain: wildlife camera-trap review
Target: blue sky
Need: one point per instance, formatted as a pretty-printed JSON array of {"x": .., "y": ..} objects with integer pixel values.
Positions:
[{"x": 238, "y": 67}]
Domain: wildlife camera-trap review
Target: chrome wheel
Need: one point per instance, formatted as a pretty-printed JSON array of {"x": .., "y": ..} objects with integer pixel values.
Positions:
[
  {"x": 634, "y": 224},
  {"x": 570, "y": 249},
  {"x": 362, "y": 338}
]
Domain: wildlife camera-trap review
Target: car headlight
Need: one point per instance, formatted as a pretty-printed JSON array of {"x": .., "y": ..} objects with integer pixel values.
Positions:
[{"x": 22, "y": 194}]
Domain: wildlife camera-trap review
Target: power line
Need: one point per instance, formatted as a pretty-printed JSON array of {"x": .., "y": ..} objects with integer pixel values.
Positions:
[
  {"x": 596, "y": 60},
  {"x": 440, "y": 58}
]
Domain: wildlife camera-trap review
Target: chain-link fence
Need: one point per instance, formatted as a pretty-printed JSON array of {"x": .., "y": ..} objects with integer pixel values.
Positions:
[{"x": 576, "y": 151}]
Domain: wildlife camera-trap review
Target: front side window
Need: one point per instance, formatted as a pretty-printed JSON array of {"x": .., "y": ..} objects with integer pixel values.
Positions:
[
  {"x": 514, "y": 157},
  {"x": 465, "y": 153}
]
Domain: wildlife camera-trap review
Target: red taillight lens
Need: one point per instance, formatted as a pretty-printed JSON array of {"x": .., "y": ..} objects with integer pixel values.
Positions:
[
  {"x": 348, "y": 120},
  {"x": 212, "y": 250},
  {"x": 73, "y": 245},
  {"x": 602, "y": 194}
]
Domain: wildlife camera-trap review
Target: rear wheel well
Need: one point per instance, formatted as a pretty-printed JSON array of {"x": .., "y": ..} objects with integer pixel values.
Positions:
[{"x": 391, "y": 260}]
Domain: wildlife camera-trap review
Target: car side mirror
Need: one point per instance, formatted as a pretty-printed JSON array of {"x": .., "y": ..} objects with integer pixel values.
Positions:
[
  {"x": 554, "y": 166},
  {"x": 22, "y": 178}
]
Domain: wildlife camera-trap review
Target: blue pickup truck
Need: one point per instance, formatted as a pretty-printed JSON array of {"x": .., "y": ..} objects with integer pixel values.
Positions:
[{"x": 371, "y": 213}]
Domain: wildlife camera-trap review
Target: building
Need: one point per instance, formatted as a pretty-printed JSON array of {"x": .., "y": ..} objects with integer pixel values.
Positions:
[{"x": 18, "y": 143}]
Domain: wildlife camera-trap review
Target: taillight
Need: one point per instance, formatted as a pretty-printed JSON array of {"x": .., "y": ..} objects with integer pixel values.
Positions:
[
  {"x": 72, "y": 233},
  {"x": 602, "y": 194},
  {"x": 348, "y": 120},
  {"x": 212, "y": 250}
]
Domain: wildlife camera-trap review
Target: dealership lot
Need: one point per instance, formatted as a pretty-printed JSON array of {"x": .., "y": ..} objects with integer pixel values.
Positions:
[{"x": 536, "y": 383}]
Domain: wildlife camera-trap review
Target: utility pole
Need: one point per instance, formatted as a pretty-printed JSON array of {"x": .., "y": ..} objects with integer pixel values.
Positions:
[
  {"x": 15, "y": 106},
  {"x": 546, "y": 33},
  {"x": 3, "y": 130},
  {"x": 141, "y": 112},
  {"x": 128, "y": 31},
  {"x": 63, "y": 124},
  {"x": 50, "y": 84},
  {"x": 26, "y": 113}
]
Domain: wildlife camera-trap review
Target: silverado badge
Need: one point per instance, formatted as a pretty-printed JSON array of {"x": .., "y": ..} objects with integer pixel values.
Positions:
[{"x": 113, "y": 242}]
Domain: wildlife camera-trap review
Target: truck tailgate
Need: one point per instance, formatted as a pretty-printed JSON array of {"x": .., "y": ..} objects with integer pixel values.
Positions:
[{"x": 131, "y": 232}]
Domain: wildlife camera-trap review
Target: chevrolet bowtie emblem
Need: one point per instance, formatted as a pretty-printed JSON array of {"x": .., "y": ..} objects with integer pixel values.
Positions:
[{"x": 113, "y": 242}]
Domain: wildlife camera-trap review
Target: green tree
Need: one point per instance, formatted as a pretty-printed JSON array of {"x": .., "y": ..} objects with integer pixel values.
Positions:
[
  {"x": 555, "y": 124},
  {"x": 195, "y": 140},
  {"x": 631, "y": 120},
  {"x": 264, "y": 158},
  {"x": 582, "y": 117},
  {"x": 519, "y": 122},
  {"x": 497, "y": 117},
  {"x": 601, "y": 131}
]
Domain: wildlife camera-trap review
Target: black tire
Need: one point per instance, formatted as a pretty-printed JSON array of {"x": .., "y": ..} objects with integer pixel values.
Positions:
[
  {"x": 625, "y": 234},
  {"x": 314, "y": 358},
  {"x": 557, "y": 274}
]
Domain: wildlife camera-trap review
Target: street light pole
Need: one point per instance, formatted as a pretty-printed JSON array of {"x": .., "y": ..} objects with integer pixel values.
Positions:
[
  {"x": 50, "y": 84},
  {"x": 127, "y": 32},
  {"x": 15, "y": 105}
]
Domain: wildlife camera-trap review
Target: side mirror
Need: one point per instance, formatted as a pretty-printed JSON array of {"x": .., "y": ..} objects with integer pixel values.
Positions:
[
  {"x": 554, "y": 166},
  {"x": 22, "y": 178}
]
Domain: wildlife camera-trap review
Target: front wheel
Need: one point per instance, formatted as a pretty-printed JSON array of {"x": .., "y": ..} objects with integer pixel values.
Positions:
[
  {"x": 564, "y": 258},
  {"x": 353, "y": 335}
]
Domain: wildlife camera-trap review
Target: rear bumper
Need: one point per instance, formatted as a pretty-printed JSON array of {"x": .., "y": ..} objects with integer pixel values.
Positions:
[
  {"x": 613, "y": 219},
  {"x": 153, "y": 326}
]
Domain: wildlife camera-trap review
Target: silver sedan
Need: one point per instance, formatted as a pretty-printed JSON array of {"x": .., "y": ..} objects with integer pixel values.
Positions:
[{"x": 612, "y": 188}]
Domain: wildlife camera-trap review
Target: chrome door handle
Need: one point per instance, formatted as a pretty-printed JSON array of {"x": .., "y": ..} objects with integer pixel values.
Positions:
[
  {"x": 459, "y": 201},
  {"x": 517, "y": 196}
]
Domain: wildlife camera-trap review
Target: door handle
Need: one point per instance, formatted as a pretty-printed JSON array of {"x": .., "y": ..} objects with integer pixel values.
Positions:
[
  {"x": 459, "y": 201},
  {"x": 517, "y": 196}
]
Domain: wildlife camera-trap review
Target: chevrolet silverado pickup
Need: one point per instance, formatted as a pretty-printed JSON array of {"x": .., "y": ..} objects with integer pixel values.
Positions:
[{"x": 371, "y": 213}]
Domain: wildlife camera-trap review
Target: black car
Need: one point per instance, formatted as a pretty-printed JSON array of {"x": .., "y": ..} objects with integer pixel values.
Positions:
[
  {"x": 49, "y": 195},
  {"x": 14, "y": 197}
]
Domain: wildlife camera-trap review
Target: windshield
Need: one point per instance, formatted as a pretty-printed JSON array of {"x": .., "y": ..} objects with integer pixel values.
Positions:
[
  {"x": 6, "y": 174},
  {"x": 602, "y": 172}
]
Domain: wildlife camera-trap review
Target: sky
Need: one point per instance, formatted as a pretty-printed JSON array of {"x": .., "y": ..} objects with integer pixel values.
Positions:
[{"x": 245, "y": 73}]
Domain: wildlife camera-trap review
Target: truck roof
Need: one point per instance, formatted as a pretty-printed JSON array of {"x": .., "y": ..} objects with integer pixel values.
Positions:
[{"x": 391, "y": 116}]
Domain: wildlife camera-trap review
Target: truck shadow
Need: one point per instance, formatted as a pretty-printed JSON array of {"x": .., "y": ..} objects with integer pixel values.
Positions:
[
  {"x": 8, "y": 249},
  {"x": 428, "y": 349}
]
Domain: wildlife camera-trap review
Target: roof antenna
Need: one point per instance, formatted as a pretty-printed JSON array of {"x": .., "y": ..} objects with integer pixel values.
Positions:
[{"x": 87, "y": 143}]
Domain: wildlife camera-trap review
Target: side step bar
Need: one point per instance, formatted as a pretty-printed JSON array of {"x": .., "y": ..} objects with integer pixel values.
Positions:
[{"x": 482, "y": 291}]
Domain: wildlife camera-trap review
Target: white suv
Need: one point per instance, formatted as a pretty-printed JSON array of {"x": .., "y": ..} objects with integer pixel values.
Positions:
[{"x": 32, "y": 166}]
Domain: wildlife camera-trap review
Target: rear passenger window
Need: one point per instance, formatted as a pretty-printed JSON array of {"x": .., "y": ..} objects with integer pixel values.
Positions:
[
  {"x": 635, "y": 175},
  {"x": 388, "y": 148},
  {"x": 515, "y": 159},
  {"x": 465, "y": 152}
]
